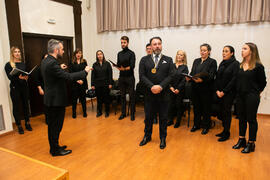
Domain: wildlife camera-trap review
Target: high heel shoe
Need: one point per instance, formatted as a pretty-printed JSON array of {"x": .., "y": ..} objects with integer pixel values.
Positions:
[
  {"x": 249, "y": 148},
  {"x": 241, "y": 143}
]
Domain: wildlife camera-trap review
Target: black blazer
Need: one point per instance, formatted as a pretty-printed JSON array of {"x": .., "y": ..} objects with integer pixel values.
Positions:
[
  {"x": 15, "y": 81},
  {"x": 209, "y": 67},
  {"x": 55, "y": 88},
  {"x": 178, "y": 80},
  {"x": 162, "y": 77},
  {"x": 101, "y": 74},
  {"x": 226, "y": 76},
  {"x": 74, "y": 67}
]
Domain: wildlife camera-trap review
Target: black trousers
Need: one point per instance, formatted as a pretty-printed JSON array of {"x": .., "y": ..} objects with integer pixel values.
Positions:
[
  {"x": 126, "y": 86},
  {"x": 225, "y": 108},
  {"x": 55, "y": 117},
  {"x": 103, "y": 96},
  {"x": 19, "y": 96},
  {"x": 176, "y": 106},
  {"x": 151, "y": 108},
  {"x": 202, "y": 101},
  {"x": 78, "y": 93},
  {"x": 247, "y": 106}
]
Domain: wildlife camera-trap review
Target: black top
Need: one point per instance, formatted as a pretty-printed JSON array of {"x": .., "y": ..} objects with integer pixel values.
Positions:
[
  {"x": 178, "y": 80},
  {"x": 253, "y": 81},
  {"x": 101, "y": 74},
  {"x": 15, "y": 81},
  {"x": 162, "y": 77},
  {"x": 208, "y": 69},
  {"x": 126, "y": 58},
  {"x": 55, "y": 88},
  {"x": 74, "y": 67},
  {"x": 226, "y": 75}
]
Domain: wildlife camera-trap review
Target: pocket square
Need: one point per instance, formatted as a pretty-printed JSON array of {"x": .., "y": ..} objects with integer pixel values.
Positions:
[{"x": 163, "y": 62}]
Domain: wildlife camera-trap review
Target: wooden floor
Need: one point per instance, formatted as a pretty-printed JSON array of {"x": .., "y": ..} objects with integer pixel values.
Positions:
[{"x": 106, "y": 148}]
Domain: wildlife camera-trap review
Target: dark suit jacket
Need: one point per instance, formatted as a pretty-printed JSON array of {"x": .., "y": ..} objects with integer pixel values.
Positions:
[
  {"x": 55, "y": 82},
  {"x": 162, "y": 77},
  {"x": 208, "y": 67}
]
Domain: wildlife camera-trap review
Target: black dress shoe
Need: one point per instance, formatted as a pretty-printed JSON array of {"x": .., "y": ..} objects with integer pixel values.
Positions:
[
  {"x": 20, "y": 129},
  {"x": 194, "y": 128},
  {"x": 249, "y": 148},
  {"x": 107, "y": 114},
  {"x": 28, "y": 127},
  {"x": 241, "y": 143},
  {"x": 145, "y": 141},
  {"x": 61, "y": 152},
  {"x": 169, "y": 123},
  {"x": 132, "y": 117},
  {"x": 162, "y": 143},
  {"x": 224, "y": 138},
  {"x": 205, "y": 131},
  {"x": 84, "y": 114},
  {"x": 177, "y": 124},
  {"x": 99, "y": 114},
  {"x": 74, "y": 115},
  {"x": 122, "y": 116},
  {"x": 220, "y": 134}
]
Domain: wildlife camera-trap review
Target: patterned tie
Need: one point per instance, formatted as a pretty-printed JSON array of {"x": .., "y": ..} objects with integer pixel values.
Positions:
[{"x": 156, "y": 60}]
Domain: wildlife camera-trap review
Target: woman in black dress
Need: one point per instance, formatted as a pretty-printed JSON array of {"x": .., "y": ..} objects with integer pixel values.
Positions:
[
  {"x": 79, "y": 87},
  {"x": 251, "y": 81},
  {"x": 225, "y": 89},
  {"x": 177, "y": 88},
  {"x": 203, "y": 72},
  {"x": 18, "y": 89},
  {"x": 101, "y": 81}
]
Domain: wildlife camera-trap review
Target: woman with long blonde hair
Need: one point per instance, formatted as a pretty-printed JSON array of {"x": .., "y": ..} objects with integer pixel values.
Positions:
[
  {"x": 177, "y": 88},
  {"x": 251, "y": 81},
  {"x": 18, "y": 89}
]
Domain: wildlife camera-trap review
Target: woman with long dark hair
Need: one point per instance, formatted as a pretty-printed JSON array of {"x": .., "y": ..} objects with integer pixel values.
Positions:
[
  {"x": 79, "y": 87},
  {"x": 203, "y": 72},
  {"x": 101, "y": 81},
  {"x": 251, "y": 81},
  {"x": 177, "y": 89},
  {"x": 225, "y": 89},
  {"x": 18, "y": 89}
]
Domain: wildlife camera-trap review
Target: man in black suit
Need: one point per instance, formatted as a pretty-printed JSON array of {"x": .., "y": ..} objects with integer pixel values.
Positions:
[
  {"x": 155, "y": 73},
  {"x": 55, "y": 93}
]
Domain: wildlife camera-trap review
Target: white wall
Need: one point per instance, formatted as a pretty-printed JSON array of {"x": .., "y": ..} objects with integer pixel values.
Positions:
[
  {"x": 35, "y": 15},
  {"x": 4, "y": 57},
  {"x": 187, "y": 38}
]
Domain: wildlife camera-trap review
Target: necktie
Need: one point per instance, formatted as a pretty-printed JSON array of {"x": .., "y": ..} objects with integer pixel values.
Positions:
[{"x": 156, "y": 60}]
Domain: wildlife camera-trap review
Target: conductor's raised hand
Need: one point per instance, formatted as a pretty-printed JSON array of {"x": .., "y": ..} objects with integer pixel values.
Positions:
[
  {"x": 63, "y": 66},
  {"x": 88, "y": 68}
]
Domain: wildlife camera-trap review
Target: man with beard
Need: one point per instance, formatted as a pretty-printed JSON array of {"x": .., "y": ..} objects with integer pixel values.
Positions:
[
  {"x": 155, "y": 73},
  {"x": 126, "y": 65},
  {"x": 55, "y": 93}
]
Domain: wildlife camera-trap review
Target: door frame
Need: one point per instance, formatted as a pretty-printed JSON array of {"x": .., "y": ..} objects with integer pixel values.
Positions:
[{"x": 15, "y": 31}]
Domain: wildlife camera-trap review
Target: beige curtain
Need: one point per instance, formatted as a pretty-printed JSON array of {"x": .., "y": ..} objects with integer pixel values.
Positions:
[
  {"x": 266, "y": 11},
  {"x": 115, "y": 15}
]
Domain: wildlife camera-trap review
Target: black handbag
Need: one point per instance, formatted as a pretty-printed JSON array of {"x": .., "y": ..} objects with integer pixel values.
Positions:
[{"x": 90, "y": 93}]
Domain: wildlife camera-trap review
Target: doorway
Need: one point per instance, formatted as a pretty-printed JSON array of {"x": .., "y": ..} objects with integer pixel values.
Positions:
[{"x": 35, "y": 46}]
